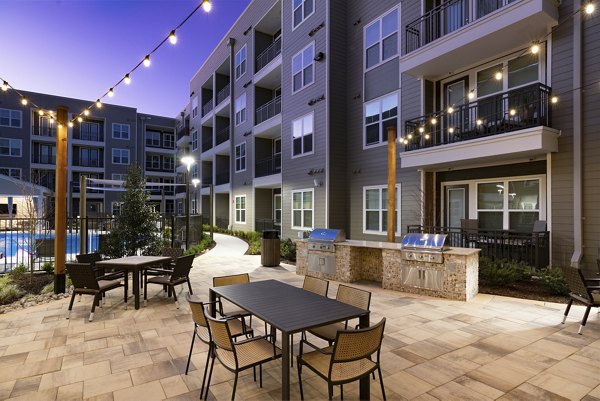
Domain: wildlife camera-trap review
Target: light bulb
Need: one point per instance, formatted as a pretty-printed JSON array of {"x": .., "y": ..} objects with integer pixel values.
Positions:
[
  {"x": 24, "y": 102},
  {"x": 86, "y": 112},
  {"x": 51, "y": 112},
  {"x": 98, "y": 104},
  {"x": 512, "y": 112},
  {"x": 4, "y": 86},
  {"x": 554, "y": 99},
  {"x": 41, "y": 112},
  {"x": 589, "y": 8},
  {"x": 127, "y": 79},
  {"x": 535, "y": 49},
  {"x": 79, "y": 119},
  {"x": 426, "y": 136},
  {"x": 471, "y": 95},
  {"x": 206, "y": 5},
  {"x": 434, "y": 121},
  {"x": 498, "y": 76},
  {"x": 479, "y": 122},
  {"x": 60, "y": 125},
  {"x": 421, "y": 129},
  {"x": 71, "y": 124},
  {"x": 450, "y": 110},
  {"x": 409, "y": 136},
  {"x": 172, "y": 37},
  {"x": 406, "y": 141},
  {"x": 147, "y": 61},
  {"x": 451, "y": 130},
  {"x": 111, "y": 92}
]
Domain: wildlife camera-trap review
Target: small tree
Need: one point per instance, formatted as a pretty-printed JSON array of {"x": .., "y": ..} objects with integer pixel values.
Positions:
[{"x": 135, "y": 229}]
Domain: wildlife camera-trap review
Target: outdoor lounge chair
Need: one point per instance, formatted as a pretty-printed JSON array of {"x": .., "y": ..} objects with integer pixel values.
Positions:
[
  {"x": 348, "y": 360},
  {"x": 85, "y": 281},
  {"x": 171, "y": 278},
  {"x": 241, "y": 355},
  {"x": 202, "y": 331},
  {"x": 586, "y": 291}
]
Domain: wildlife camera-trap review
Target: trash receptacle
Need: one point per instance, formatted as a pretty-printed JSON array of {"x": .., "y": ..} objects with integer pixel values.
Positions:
[{"x": 269, "y": 248}]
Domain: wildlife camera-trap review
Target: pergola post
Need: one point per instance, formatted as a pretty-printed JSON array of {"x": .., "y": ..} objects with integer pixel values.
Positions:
[
  {"x": 391, "y": 196},
  {"x": 60, "y": 214}
]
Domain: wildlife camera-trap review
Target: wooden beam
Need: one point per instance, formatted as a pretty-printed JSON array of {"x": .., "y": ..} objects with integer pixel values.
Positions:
[
  {"x": 391, "y": 193},
  {"x": 60, "y": 203}
]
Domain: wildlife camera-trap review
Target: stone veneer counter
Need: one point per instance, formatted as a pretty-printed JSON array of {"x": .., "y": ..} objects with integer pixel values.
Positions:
[{"x": 456, "y": 278}]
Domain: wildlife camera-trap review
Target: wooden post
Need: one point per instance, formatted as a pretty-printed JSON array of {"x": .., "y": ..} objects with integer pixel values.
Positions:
[
  {"x": 391, "y": 193},
  {"x": 60, "y": 213},
  {"x": 83, "y": 214}
]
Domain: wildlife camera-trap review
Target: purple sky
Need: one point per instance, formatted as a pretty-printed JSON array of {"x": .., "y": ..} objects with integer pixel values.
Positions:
[{"x": 81, "y": 48}]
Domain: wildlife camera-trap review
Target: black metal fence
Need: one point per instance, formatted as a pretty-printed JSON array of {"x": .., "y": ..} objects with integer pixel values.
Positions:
[
  {"x": 223, "y": 93},
  {"x": 267, "y": 55},
  {"x": 268, "y": 110},
  {"x": 532, "y": 248}
]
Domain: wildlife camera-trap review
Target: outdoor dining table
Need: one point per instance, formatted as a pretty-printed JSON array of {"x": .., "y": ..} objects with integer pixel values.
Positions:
[
  {"x": 135, "y": 264},
  {"x": 290, "y": 310}
]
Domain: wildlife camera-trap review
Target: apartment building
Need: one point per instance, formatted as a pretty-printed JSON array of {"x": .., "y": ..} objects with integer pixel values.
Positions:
[{"x": 102, "y": 146}]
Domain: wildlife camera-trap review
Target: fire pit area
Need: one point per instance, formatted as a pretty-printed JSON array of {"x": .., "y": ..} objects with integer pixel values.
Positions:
[{"x": 420, "y": 264}]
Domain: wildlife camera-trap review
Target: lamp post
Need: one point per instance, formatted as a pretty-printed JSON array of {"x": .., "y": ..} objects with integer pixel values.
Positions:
[
  {"x": 196, "y": 181},
  {"x": 187, "y": 161}
]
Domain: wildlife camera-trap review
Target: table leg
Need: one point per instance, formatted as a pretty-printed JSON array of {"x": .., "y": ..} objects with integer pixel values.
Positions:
[
  {"x": 285, "y": 366},
  {"x": 365, "y": 382},
  {"x": 136, "y": 287},
  {"x": 212, "y": 298}
]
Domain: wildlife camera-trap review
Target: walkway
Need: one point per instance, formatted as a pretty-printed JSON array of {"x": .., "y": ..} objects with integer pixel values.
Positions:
[{"x": 434, "y": 349}]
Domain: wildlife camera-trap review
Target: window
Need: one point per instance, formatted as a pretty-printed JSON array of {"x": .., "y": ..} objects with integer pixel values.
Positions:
[
  {"x": 520, "y": 71},
  {"x": 195, "y": 107},
  {"x": 10, "y": 118},
  {"x": 194, "y": 170},
  {"x": 240, "y": 157},
  {"x": 11, "y": 172},
  {"x": 168, "y": 163},
  {"x": 240, "y": 209},
  {"x": 523, "y": 70},
  {"x": 194, "y": 139},
  {"x": 240, "y": 62},
  {"x": 302, "y": 9},
  {"x": 303, "y": 68},
  {"x": 88, "y": 157},
  {"x": 375, "y": 209},
  {"x": 89, "y": 131},
  {"x": 169, "y": 189},
  {"x": 240, "y": 109},
  {"x": 381, "y": 39},
  {"x": 153, "y": 139},
  {"x": 379, "y": 115},
  {"x": 487, "y": 83},
  {"x": 180, "y": 207},
  {"x": 10, "y": 147},
  {"x": 302, "y": 209},
  {"x": 509, "y": 204},
  {"x": 116, "y": 208},
  {"x": 120, "y": 131},
  {"x": 277, "y": 210},
  {"x": 46, "y": 154},
  {"x": 194, "y": 211},
  {"x": 153, "y": 162},
  {"x": 302, "y": 135},
  {"x": 120, "y": 156},
  {"x": 168, "y": 140}
]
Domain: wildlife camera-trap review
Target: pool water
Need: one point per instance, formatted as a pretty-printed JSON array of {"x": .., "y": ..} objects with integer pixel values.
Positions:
[{"x": 13, "y": 243}]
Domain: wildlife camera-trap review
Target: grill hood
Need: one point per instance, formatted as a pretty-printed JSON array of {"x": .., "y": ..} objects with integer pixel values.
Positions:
[
  {"x": 432, "y": 242},
  {"x": 327, "y": 235}
]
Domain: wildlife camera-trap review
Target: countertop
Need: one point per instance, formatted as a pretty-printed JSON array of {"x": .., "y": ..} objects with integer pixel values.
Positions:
[{"x": 397, "y": 246}]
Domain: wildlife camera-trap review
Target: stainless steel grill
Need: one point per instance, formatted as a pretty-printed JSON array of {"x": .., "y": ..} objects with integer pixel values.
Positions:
[
  {"x": 321, "y": 249},
  {"x": 424, "y": 247}
]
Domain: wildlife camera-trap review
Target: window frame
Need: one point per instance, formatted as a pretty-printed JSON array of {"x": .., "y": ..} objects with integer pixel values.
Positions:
[
  {"x": 194, "y": 139},
  {"x": 121, "y": 125},
  {"x": 88, "y": 130},
  {"x": 294, "y": 27},
  {"x": 380, "y": 210},
  {"x": 244, "y": 110},
  {"x": 241, "y": 158},
  {"x": 235, "y": 205},
  {"x": 153, "y": 140},
  {"x": 118, "y": 207},
  {"x": 121, "y": 152},
  {"x": 382, "y": 136},
  {"x": 312, "y": 64},
  {"x": 10, "y": 118},
  {"x": 195, "y": 107},
  {"x": 10, "y": 170},
  {"x": 235, "y": 64},
  {"x": 10, "y": 147},
  {"x": 381, "y": 39},
  {"x": 312, "y": 133},
  {"x": 302, "y": 191},
  {"x": 168, "y": 140}
]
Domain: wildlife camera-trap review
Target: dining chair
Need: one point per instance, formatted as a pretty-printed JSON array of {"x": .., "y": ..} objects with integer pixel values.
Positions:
[
  {"x": 85, "y": 281},
  {"x": 202, "y": 331},
  {"x": 348, "y": 360},
  {"x": 220, "y": 281},
  {"x": 584, "y": 290},
  {"x": 171, "y": 278},
  {"x": 173, "y": 253},
  {"x": 241, "y": 355}
]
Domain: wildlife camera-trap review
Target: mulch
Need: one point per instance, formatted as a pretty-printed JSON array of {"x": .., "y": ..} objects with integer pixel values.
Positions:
[
  {"x": 32, "y": 284},
  {"x": 527, "y": 289}
]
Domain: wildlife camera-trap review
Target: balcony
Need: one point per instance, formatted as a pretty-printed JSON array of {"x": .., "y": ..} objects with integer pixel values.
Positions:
[
  {"x": 222, "y": 178},
  {"x": 268, "y": 110},
  {"x": 222, "y": 136},
  {"x": 223, "y": 93},
  {"x": 92, "y": 163},
  {"x": 207, "y": 107},
  {"x": 49, "y": 132},
  {"x": 183, "y": 136},
  {"x": 268, "y": 166},
  {"x": 43, "y": 159},
  {"x": 460, "y": 33},
  {"x": 207, "y": 143},
  {"x": 268, "y": 55}
]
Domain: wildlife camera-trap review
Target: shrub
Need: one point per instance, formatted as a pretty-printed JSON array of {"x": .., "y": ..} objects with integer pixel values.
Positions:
[
  {"x": 287, "y": 249},
  {"x": 200, "y": 247},
  {"x": 554, "y": 281},
  {"x": 9, "y": 292},
  {"x": 18, "y": 271},
  {"x": 49, "y": 288},
  {"x": 48, "y": 267},
  {"x": 499, "y": 272},
  {"x": 254, "y": 246}
]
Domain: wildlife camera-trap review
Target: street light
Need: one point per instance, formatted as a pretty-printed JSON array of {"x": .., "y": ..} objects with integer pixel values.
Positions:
[{"x": 187, "y": 161}]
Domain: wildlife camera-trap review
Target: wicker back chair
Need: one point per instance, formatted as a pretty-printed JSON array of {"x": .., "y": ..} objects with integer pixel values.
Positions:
[
  {"x": 94, "y": 257},
  {"x": 348, "y": 360},
  {"x": 173, "y": 253},
  {"x": 171, "y": 278},
  {"x": 231, "y": 310},
  {"x": 90, "y": 258},
  {"x": 348, "y": 295},
  {"x": 240, "y": 355},
  {"x": 85, "y": 281},
  {"x": 586, "y": 291},
  {"x": 316, "y": 285}
]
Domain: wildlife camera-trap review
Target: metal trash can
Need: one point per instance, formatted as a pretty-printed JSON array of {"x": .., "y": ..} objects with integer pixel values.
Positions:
[{"x": 269, "y": 248}]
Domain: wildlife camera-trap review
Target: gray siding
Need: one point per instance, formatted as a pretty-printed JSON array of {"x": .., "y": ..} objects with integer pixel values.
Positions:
[{"x": 382, "y": 79}]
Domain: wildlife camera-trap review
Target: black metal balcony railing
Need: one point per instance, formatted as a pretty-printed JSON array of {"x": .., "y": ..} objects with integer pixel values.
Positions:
[
  {"x": 183, "y": 132},
  {"x": 207, "y": 180},
  {"x": 497, "y": 114},
  {"x": 532, "y": 248},
  {"x": 97, "y": 163},
  {"x": 267, "y": 55},
  {"x": 222, "y": 136},
  {"x": 222, "y": 178},
  {"x": 223, "y": 93},
  {"x": 43, "y": 159},
  {"x": 207, "y": 143},
  {"x": 268, "y": 166},
  {"x": 44, "y": 131},
  {"x": 447, "y": 18},
  {"x": 268, "y": 110},
  {"x": 207, "y": 107}
]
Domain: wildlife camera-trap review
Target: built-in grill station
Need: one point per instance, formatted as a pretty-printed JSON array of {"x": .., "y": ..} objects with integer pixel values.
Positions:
[
  {"x": 424, "y": 247},
  {"x": 321, "y": 249}
]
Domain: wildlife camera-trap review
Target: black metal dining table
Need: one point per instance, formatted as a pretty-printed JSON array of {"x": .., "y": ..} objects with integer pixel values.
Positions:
[
  {"x": 135, "y": 264},
  {"x": 290, "y": 310}
]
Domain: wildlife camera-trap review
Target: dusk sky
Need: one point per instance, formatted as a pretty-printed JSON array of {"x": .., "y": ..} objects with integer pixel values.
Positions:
[{"x": 80, "y": 48}]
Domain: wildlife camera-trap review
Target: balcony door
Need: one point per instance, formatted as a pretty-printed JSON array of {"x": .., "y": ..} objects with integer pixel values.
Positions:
[
  {"x": 457, "y": 205},
  {"x": 455, "y": 95}
]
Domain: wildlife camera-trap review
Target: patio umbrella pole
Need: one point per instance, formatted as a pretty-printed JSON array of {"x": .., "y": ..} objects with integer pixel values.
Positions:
[{"x": 60, "y": 212}]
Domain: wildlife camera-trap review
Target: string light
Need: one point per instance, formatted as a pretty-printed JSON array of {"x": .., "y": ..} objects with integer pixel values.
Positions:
[
  {"x": 127, "y": 79},
  {"x": 554, "y": 99},
  {"x": 24, "y": 101},
  {"x": 70, "y": 124},
  {"x": 60, "y": 125},
  {"x": 433, "y": 121},
  {"x": 173, "y": 37},
  {"x": 498, "y": 76},
  {"x": 147, "y": 61},
  {"x": 4, "y": 86},
  {"x": 426, "y": 136},
  {"x": 206, "y": 5},
  {"x": 479, "y": 122},
  {"x": 451, "y": 130},
  {"x": 471, "y": 95},
  {"x": 86, "y": 112},
  {"x": 41, "y": 112},
  {"x": 450, "y": 110},
  {"x": 79, "y": 119},
  {"x": 111, "y": 92},
  {"x": 421, "y": 129},
  {"x": 512, "y": 112},
  {"x": 590, "y": 8},
  {"x": 535, "y": 49},
  {"x": 98, "y": 104},
  {"x": 409, "y": 136}
]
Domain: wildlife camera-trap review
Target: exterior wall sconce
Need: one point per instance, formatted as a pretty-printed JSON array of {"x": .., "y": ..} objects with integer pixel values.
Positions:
[{"x": 320, "y": 56}]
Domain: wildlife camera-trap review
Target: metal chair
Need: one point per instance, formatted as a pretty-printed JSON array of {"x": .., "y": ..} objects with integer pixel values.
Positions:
[
  {"x": 94, "y": 257},
  {"x": 240, "y": 355},
  {"x": 85, "y": 281},
  {"x": 220, "y": 281},
  {"x": 202, "y": 331},
  {"x": 586, "y": 291},
  {"x": 171, "y": 278},
  {"x": 173, "y": 253},
  {"x": 348, "y": 360}
]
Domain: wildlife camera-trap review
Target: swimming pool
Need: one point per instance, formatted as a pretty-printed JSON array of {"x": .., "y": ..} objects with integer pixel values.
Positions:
[{"x": 13, "y": 244}]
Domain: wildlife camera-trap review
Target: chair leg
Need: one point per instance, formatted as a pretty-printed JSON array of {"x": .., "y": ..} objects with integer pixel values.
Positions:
[
  {"x": 234, "y": 386},
  {"x": 585, "y": 318},
  {"x": 187, "y": 367},
  {"x": 190, "y": 286},
  {"x": 342, "y": 391},
  {"x": 292, "y": 351},
  {"x": 300, "y": 378},
  {"x": 71, "y": 304},
  {"x": 94, "y": 306},
  {"x": 330, "y": 390},
  {"x": 175, "y": 296},
  {"x": 212, "y": 364},
  {"x": 145, "y": 290},
  {"x": 206, "y": 369},
  {"x": 567, "y": 310},
  {"x": 381, "y": 382},
  {"x": 260, "y": 374}
]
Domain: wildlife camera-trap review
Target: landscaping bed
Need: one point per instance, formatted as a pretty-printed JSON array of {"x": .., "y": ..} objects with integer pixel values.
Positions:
[{"x": 526, "y": 289}]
